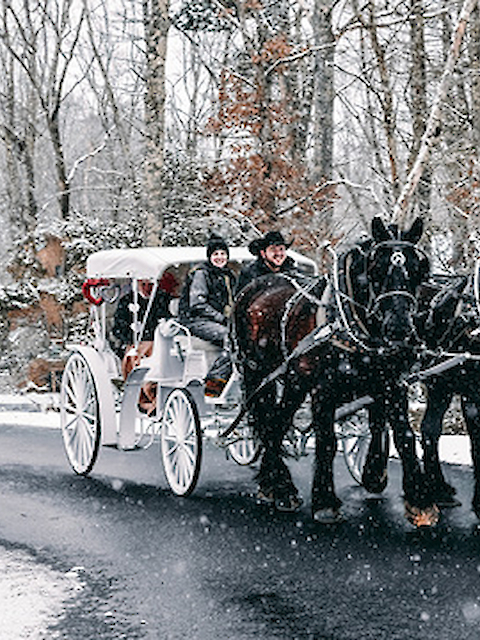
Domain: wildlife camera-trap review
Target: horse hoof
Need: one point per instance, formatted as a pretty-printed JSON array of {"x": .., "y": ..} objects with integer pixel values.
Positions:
[
  {"x": 290, "y": 504},
  {"x": 265, "y": 497},
  {"x": 375, "y": 485},
  {"x": 328, "y": 516},
  {"x": 427, "y": 517}
]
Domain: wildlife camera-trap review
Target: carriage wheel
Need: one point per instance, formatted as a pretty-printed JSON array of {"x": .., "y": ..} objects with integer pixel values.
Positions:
[
  {"x": 244, "y": 449},
  {"x": 79, "y": 415},
  {"x": 354, "y": 434},
  {"x": 181, "y": 442}
]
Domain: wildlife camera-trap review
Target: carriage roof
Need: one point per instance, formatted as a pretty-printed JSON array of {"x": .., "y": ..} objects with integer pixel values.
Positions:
[{"x": 151, "y": 262}]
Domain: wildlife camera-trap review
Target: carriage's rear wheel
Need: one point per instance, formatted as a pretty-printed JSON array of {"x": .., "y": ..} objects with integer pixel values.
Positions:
[
  {"x": 244, "y": 449},
  {"x": 355, "y": 437},
  {"x": 79, "y": 414},
  {"x": 181, "y": 442}
]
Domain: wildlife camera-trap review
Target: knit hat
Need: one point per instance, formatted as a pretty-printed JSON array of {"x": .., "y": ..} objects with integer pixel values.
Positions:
[
  {"x": 216, "y": 243},
  {"x": 270, "y": 238}
]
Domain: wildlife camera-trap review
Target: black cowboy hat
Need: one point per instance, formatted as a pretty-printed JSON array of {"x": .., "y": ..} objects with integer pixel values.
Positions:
[{"x": 270, "y": 238}]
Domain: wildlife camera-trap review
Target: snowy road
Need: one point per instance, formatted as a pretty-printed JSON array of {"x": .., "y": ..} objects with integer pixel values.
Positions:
[{"x": 115, "y": 556}]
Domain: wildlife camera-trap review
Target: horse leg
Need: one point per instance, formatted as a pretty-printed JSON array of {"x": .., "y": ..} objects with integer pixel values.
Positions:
[
  {"x": 375, "y": 476},
  {"x": 471, "y": 412},
  {"x": 325, "y": 504},
  {"x": 438, "y": 401},
  {"x": 420, "y": 508},
  {"x": 270, "y": 424}
]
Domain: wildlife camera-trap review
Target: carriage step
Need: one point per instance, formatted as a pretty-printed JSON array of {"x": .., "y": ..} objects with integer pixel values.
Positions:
[{"x": 115, "y": 446}]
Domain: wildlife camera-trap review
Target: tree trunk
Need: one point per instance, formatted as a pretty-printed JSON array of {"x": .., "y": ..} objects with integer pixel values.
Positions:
[
  {"x": 419, "y": 104},
  {"x": 62, "y": 181},
  {"x": 387, "y": 102},
  {"x": 323, "y": 92},
  {"x": 156, "y": 24},
  {"x": 474, "y": 47},
  {"x": 403, "y": 203},
  {"x": 323, "y": 106}
]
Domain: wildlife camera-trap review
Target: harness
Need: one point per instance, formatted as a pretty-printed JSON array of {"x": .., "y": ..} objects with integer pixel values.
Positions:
[
  {"x": 466, "y": 309},
  {"x": 341, "y": 331}
]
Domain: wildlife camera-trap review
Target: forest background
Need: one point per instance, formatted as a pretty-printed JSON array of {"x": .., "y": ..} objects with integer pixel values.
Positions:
[{"x": 127, "y": 123}]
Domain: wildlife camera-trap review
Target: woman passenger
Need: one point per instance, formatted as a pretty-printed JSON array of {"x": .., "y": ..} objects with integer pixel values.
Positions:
[{"x": 207, "y": 297}]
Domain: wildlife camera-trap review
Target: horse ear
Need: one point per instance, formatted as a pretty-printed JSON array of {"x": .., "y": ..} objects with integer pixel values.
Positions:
[
  {"x": 415, "y": 232},
  {"x": 379, "y": 231}
]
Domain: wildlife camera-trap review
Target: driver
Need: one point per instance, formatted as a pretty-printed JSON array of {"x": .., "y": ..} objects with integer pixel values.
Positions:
[{"x": 271, "y": 254}]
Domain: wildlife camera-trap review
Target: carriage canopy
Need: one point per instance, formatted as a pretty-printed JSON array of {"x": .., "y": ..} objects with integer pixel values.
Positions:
[{"x": 151, "y": 262}]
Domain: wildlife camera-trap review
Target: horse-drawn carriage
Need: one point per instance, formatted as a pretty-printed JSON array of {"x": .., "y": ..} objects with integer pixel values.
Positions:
[
  {"x": 100, "y": 408},
  {"x": 350, "y": 360}
]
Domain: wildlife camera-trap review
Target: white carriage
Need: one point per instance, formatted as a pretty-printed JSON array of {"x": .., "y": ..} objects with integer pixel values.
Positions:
[{"x": 100, "y": 408}]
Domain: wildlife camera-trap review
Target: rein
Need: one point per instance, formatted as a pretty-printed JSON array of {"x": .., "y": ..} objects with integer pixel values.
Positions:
[
  {"x": 301, "y": 292},
  {"x": 338, "y": 295}
]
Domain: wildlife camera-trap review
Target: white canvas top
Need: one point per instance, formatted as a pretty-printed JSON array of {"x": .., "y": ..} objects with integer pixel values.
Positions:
[{"x": 151, "y": 262}]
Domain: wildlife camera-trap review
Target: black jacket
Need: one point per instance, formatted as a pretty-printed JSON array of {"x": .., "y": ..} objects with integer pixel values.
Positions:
[
  {"x": 207, "y": 294},
  {"x": 258, "y": 268}
]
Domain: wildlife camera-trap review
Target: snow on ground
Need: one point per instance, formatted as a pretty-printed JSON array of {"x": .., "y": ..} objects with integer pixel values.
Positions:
[
  {"x": 32, "y": 595},
  {"x": 41, "y": 410},
  {"x": 455, "y": 449}
]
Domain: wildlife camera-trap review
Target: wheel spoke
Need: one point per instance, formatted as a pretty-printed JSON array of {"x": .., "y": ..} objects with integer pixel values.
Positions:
[
  {"x": 181, "y": 442},
  {"x": 79, "y": 414}
]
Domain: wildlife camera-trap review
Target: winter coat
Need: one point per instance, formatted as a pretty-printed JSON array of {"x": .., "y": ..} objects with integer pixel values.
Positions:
[
  {"x": 123, "y": 317},
  {"x": 207, "y": 294},
  {"x": 259, "y": 268}
]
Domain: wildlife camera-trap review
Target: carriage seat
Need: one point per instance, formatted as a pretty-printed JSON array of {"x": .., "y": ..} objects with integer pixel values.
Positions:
[
  {"x": 183, "y": 339},
  {"x": 192, "y": 343},
  {"x": 177, "y": 354}
]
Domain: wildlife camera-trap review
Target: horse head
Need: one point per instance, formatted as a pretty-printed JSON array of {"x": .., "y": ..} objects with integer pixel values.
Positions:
[{"x": 393, "y": 268}]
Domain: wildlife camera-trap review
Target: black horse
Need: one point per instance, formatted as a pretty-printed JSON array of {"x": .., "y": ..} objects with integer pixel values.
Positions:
[
  {"x": 337, "y": 339},
  {"x": 449, "y": 323}
]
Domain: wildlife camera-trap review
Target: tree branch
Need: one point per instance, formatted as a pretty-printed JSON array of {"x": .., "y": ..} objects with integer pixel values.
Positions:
[{"x": 430, "y": 135}]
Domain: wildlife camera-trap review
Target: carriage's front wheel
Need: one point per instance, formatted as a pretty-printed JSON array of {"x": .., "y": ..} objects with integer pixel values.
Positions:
[
  {"x": 244, "y": 448},
  {"x": 181, "y": 442},
  {"x": 79, "y": 414}
]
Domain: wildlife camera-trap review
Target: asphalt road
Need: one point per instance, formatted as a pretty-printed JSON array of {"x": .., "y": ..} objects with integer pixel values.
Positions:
[{"x": 147, "y": 564}]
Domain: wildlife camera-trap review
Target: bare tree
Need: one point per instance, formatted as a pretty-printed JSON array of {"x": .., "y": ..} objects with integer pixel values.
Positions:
[
  {"x": 431, "y": 130},
  {"x": 156, "y": 29},
  {"x": 41, "y": 39}
]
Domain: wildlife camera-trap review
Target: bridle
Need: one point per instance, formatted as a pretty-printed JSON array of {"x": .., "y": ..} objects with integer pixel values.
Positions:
[
  {"x": 375, "y": 299},
  {"x": 397, "y": 261},
  {"x": 341, "y": 298}
]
